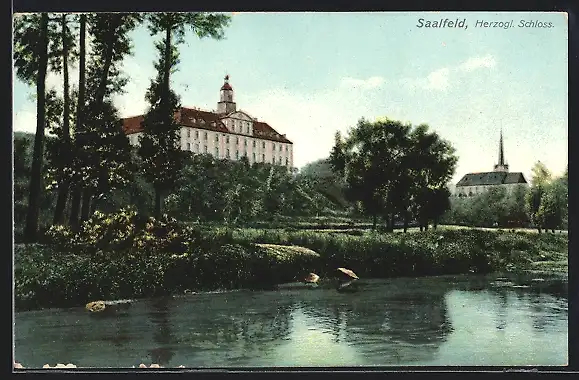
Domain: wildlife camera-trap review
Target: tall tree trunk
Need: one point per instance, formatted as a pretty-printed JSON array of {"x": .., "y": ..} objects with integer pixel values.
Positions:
[
  {"x": 391, "y": 229},
  {"x": 63, "y": 188},
  {"x": 435, "y": 223},
  {"x": 76, "y": 197},
  {"x": 165, "y": 105},
  {"x": 405, "y": 221},
  {"x": 34, "y": 191},
  {"x": 112, "y": 39},
  {"x": 86, "y": 201},
  {"x": 374, "y": 222},
  {"x": 75, "y": 207}
]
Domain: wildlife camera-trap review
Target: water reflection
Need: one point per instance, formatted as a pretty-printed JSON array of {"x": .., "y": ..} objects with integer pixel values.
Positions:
[
  {"x": 429, "y": 321},
  {"x": 163, "y": 333}
]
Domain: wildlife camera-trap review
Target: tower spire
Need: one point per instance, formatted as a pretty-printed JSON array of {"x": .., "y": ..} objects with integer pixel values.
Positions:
[
  {"x": 501, "y": 150},
  {"x": 501, "y": 166}
]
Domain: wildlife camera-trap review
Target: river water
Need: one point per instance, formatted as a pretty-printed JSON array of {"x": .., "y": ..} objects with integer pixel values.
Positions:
[{"x": 451, "y": 320}]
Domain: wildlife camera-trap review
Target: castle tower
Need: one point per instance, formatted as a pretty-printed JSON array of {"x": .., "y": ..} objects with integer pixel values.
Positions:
[
  {"x": 501, "y": 166},
  {"x": 226, "y": 104}
]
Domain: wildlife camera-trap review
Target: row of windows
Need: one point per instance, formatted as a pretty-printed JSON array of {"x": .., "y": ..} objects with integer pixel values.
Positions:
[
  {"x": 237, "y": 154},
  {"x": 278, "y": 147}
]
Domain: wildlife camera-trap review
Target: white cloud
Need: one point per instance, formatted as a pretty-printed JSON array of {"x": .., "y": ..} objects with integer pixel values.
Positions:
[
  {"x": 364, "y": 84},
  {"x": 488, "y": 61},
  {"x": 440, "y": 79}
]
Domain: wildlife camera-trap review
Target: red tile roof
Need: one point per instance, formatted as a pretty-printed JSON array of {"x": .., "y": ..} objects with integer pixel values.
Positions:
[{"x": 190, "y": 117}]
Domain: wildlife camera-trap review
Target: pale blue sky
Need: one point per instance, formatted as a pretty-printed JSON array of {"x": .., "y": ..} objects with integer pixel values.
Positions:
[{"x": 310, "y": 74}]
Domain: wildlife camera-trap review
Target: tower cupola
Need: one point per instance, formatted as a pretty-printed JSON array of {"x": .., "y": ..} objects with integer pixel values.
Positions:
[{"x": 226, "y": 104}]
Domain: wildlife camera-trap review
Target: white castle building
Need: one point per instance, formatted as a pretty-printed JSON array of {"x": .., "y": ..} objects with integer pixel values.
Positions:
[{"x": 227, "y": 133}]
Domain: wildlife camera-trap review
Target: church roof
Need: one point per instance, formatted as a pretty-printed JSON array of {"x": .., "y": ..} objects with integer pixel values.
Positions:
[
  {"x": 191, "y": 117},
  {"x": 491, "y": 178}
]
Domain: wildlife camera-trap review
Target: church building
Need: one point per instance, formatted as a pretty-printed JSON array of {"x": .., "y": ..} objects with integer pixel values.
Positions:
[
  {"x": 227, "y": 133},
  {"x": 476, "y": 183}
]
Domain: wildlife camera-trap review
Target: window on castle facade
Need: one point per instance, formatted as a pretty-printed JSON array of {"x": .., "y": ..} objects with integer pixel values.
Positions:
[
  {"x": 205, "y": 148},
  {"x": 263, "y": 145},
  {"x": 216, "y": 152},
  {"x": 196, "y": 147},
  {"x": 286, "y": 161},
  {"x": 237, "y": 154},
  {"x": 188, "y": 146},
  {"x": 254, "y": 143},
  {"x": 205, "y": 135},
  {"x": 279, "y": 160},
  {"x": 228, "y": 155},
  {"x": 227, "y": 139},
  {"x": 188, "y": 133},
  {"x": 237, "y": 140},
  {"x": 253, "y": 157},
  {"x": 216, "y": 138},
  {"x": 263, "y": 158},
  {"x": 245, "y": 142},
  {"x": 280, "y": 147}
]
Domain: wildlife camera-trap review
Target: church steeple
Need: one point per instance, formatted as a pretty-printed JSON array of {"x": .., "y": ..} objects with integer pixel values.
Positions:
[
  {"x": 226, "y": 104},
  {"x": 501, "y": 166}
]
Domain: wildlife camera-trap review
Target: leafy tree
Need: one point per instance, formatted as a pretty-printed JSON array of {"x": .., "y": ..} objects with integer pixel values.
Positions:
[
  {"x": 553, "y": 206},
  {"x": 370, "y": 159},
  {"x": 392, "y": 169},
  {"x": 516, "y": 206},
  {"x": 66, "y": 48},
  {"x": 107, "y": 150},
  {"x": 159, "y": 148},
  {"x": 31, "y": 55},
  {"x": 76, "y": 179},
  {"x": 430, "y": 166},
  {"x": 540, "y": 174},
  {"x": 540, "y": 180}
]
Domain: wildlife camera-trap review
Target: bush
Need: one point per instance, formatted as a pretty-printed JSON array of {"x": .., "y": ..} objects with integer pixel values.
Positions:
[{"x": 124, "y": 230}]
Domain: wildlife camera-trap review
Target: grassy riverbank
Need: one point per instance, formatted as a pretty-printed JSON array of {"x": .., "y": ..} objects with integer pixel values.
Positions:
[{"x": 119, "y": 257}]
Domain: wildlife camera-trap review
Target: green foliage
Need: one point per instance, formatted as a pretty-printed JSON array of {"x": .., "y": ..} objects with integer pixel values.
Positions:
[
  {"x": 414, "y": 254},
  {"x": 393, "y": 169},
  {"x": 123, "y": 230},
  {"x": 547, "y": 202},
  {"x": 497, "y": 207},
  {"x": 233, "y": 192},
  {"x": 123, "y": 255}
]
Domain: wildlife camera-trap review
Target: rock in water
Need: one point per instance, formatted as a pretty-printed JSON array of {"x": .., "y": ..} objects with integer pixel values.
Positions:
[{"x": 95, "y": 306}]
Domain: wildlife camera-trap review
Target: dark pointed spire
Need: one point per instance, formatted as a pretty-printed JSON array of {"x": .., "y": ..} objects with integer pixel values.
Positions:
[
  {"x": 501, "y": 166},
  {"x": 501, "y": 150}
]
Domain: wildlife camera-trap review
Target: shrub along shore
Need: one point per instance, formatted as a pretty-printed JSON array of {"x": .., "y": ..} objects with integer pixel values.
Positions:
[{"x": 120, "y": 256}]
